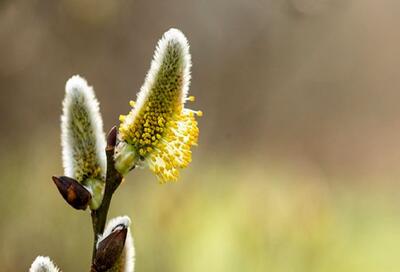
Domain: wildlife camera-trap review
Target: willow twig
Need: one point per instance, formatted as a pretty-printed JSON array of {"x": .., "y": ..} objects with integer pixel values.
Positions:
[{"x": 113, "y": 180}]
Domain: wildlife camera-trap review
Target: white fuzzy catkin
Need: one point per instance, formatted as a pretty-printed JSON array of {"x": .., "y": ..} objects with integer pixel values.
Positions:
[
  {"x": 81, "y": 138},
  {"x": 128, "y": 255},
  {"x": 159, "y": 131},
  {"x": 43, "y": 264},
  {"x": 173, "y": 37}
]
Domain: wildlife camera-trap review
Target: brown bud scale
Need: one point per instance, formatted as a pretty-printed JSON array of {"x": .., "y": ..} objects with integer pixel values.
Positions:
[{"x": 73, "y": 192}]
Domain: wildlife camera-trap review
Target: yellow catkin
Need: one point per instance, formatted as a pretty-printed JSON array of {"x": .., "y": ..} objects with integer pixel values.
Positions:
[{"x": 158, "y": 129}]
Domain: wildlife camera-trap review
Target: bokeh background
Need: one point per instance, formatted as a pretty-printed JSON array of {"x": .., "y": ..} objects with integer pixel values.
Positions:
[{"x": 297, "y": 167}]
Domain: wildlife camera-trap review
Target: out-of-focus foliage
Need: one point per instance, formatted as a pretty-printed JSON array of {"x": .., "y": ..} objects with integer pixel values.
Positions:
[
  {"x": 298, "y": 159},
  {"x": 220, "y": 217}
]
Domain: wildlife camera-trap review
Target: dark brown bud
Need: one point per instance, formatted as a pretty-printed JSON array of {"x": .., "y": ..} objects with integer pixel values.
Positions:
[
  {"x": 73, "y": 192},
  {"x": 110, "y": 249},
  {"x": 112, "y": 137}
]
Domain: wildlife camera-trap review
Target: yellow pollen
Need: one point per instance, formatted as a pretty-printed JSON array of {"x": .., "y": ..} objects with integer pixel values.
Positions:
[{"x": 161, "y": 130}]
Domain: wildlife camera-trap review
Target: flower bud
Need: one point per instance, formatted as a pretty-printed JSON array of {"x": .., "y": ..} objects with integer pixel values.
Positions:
[
  {"x": 115, "y": 251},
  {"x": 109, "y": 250},
  {"x": 112, "y": 137},
  {"x": 43, "y": 264},
  {"x": 73, "y": 192},
  {"x": 83, "y": 140}
]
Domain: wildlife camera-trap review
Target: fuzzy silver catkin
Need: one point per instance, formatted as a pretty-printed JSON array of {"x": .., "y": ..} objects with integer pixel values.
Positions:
[
  {"x": 172, "y": 51},
  {"x": 126, "y": 262},
  {"x": 43, "y": 264},
  {"x": 83, "y": 139},
  {"x": 159, "y": 131}
]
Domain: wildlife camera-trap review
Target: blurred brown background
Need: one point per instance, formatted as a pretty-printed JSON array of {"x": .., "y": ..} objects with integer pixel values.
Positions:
[{"x": 297, "y": 165}]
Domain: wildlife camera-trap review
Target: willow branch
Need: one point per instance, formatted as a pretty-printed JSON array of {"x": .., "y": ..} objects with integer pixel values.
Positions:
[{"x": 113, "y": 180}]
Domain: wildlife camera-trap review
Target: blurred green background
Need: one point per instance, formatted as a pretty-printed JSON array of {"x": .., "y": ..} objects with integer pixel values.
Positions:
[{"x": 298, "y": 161}]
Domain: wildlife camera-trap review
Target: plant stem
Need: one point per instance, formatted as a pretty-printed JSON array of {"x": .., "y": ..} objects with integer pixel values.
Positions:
[{"x": 113, "y": 180}]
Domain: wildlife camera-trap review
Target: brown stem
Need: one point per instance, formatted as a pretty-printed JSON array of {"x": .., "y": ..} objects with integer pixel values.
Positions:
[{"x": 113, "y": 180}]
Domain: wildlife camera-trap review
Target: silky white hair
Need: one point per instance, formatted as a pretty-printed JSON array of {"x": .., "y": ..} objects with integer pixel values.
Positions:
[
  {"x": 129, "y": 249},
  {"x": 172, "y": 37},
  {"x": 77, "y": 89},
  {"x": 43, "y": 264}
]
